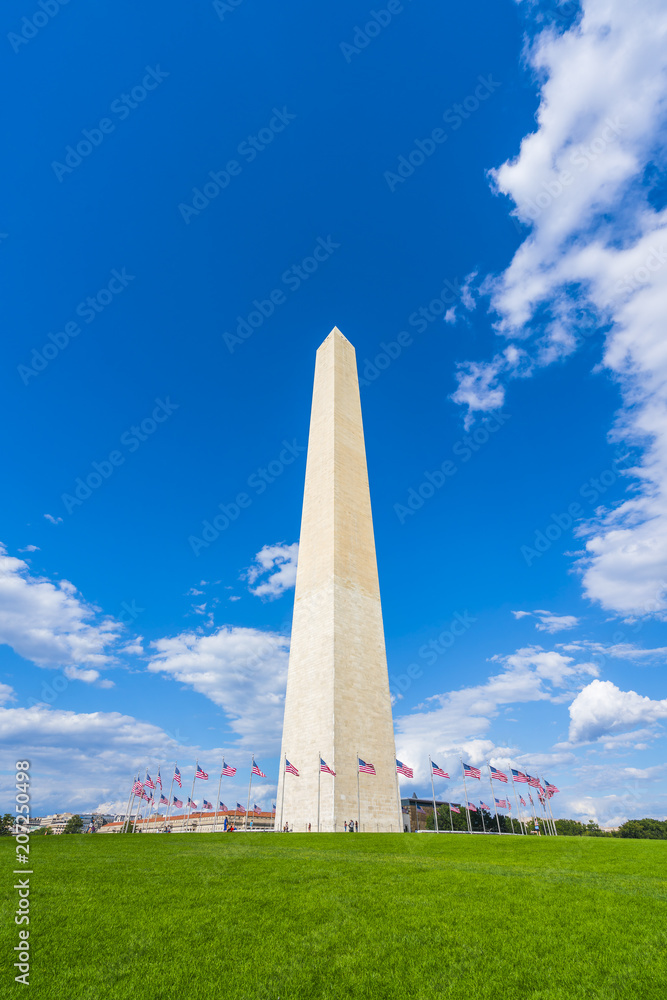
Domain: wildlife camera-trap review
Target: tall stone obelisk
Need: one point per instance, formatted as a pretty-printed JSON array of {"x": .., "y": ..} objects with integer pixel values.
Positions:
[{"x": 337, "y": 702}]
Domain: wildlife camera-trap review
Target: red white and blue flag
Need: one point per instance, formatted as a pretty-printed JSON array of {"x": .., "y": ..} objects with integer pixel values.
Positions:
[
  {"x": 454, "y": 809},
  {"x": 404, "y": 769},
  {"x": 158, "y": 780},
  {"x": 164, "y": 801},
  {"x": 273, "y": 808},
  {"x": 291, "y": 768},
  {"x": 146, "y": 797},
  {"x": 484, "y": 806},
  {"x": 533, "y": 782},
  {"x": 201, "y": 774},
  {"x": 472, "y": 807},
  {"x": 471, "y": 772},
  {"x": 149, "y": 783},
  {"x": 498, "y": 775},
  {"x": 191, "y": 804},
  {"x": 501, "y": 802},
  {"x": 178, "y": 803},
  {"x": 438, "y": 771},
  {"x": 239, "y": 808},
  {"x": 227, "y": 770},
  {"x": 522, "y": 800},
  {"x": 365, "y": 768},
  {"x": 325, "y": 767},
  {"x": 256, "y": 770},
  {"x": 520, "y": 777},
  {"x": 551, "y": 789},
  {"x": 177, "y": 777},
  {"x": 138, "y": 788},
  {"x": 257, "y": 811},
  {"x": 224, "y": 807},
  {"x": 208, "y": 805}
]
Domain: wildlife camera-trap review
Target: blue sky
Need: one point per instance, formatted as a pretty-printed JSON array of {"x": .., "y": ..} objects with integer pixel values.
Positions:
[{"x": 196, "y": 198}]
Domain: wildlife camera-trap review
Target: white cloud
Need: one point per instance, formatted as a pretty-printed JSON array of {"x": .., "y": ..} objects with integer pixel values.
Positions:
[
  {"x": 596, "y": 260},
  {"x": 618, "y": 651},
  {"x": 460, "y": 720},
  {"x": 277, "y": 565},
  {"x": 30, "y": 548},
  {"x": 521, "y": 614},
  {"x": 6, "y": 694},
  {"x": 243, "y": 670},
  {"x": 549, "y": 622},
  {"x": 49, "y": 623},
  {"x": 602, "y": 709},
  {"x": 52, "y": 519}
]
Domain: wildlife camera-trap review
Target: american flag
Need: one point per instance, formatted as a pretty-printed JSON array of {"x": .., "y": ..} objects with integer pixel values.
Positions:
[
  {"x": 177, "y": 777},
  {"x": 519, "y": 776},
  {"x": 208, "y": 805},
  {"x": 227, "y": 770},
  {"x": 291, "y": 768},
  {"x": 501, "y": 802},
  {"x": 484, "y": 806},
  {"x": 498, "y": 775},
  {"x": 273, "y": 807},
  {"x": 438, "y": 771},
  {"x": 404, "y": 769},
  {"x": 256, "y": 770},
  {"x": 178, "y": 803},
  {"x": 551, "y": 789},
  {"x": 325, "y": 767},
  {"x": 366, "y": 768},
  {"x": 533, "y": 782},
  {"x": 454, "y": 809},
  {"x": 509, "y": 805},
  {"x": 257, "y": 811},
  {"x": 144, "y": 796},
  {"x": 149, "y": 783},
  {"x": 471, "y": 772},
  {"x": 239, "y": 808},
  {"x": 158, "y": 780},
  {"x": 191, "y": 804},
  {"x": 224, "y": 807},
  {"x": 531, "y": 799},
  {"x": 522, "y": 800},
  {"x": 138, "y": 788},
  {"x": 164, "y": 801},
  {"x": 472, "y": 807},
  {"x": 420, "y": 809},
  {"x": 201, "y": 774}
]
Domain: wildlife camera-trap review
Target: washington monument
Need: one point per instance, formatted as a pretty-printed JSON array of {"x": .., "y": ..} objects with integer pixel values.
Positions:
[{"x": 337, "y": 705}]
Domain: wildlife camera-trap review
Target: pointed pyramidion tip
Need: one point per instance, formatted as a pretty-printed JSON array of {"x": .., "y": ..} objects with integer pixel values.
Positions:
[{"x": 335, "y": 333}]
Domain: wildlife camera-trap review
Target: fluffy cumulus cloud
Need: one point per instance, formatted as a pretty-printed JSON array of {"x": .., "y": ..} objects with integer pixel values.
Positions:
[
  {"x": 459, "y": 721},
  {"x": 243, "y": 670},
  {"x": 595, "y": 259},
  {"x": 275, "y": 569},
  {"x": 602, "y": 710},
  {"x": 50, "y": 623}
]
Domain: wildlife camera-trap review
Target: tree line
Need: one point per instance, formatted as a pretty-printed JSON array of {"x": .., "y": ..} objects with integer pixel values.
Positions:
[{"x": 636, "y": 829}]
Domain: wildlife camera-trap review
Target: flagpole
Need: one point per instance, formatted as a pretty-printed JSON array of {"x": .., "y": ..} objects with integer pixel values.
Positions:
[
  {"x": 553, "y": 821},
  {"x": 516, "y": 799},
  {"x": 217, "y": 801},
  {"x": 481, "y": 809},
  {"x": 171, "y": 788},
  {"x": 282, "y": 798},
  {"x": 358, "y": 798},
  {"x": 463, "y": 771},
  {"x": 127, "y": 807},
  {"x": 451, "y": 817},
  {"x": 138, "y": 811},
  {"x": 129, "y": 818},
  {"x": 319, "y": 784},
  {"x": 400, "y": 810},
  {"x": 493, "y": 797},
  {"x": 435, "y": 812},
  {"x": 245, "y": 822}
]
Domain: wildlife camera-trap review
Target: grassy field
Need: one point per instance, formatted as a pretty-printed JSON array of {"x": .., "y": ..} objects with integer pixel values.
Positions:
[{"x": 334, "y": 916}]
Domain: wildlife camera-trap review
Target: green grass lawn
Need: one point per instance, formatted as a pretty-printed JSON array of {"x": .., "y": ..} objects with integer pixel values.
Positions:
[{"x": 363, "y": 916}]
